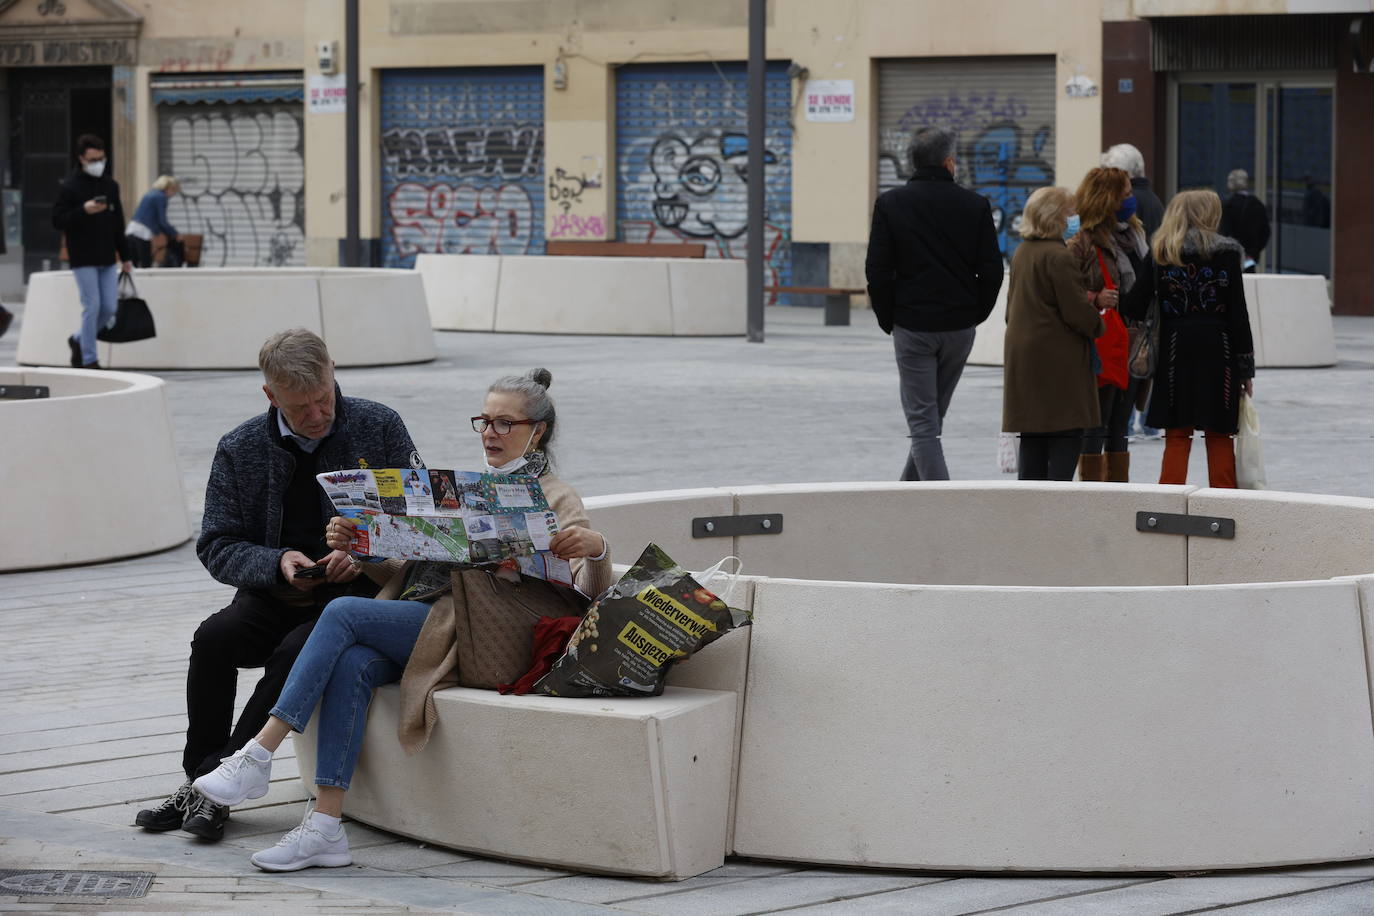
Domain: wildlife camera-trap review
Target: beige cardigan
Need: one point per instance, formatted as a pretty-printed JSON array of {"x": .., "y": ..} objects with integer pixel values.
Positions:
[{"x": 433, "y": 661}]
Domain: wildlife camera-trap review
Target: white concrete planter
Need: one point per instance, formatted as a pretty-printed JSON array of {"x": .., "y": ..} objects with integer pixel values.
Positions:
[
  {"x": 217, "y": 318},
  {"x": 1290, "y": 318},
  {"x": 999, "y": 676},
  {"x": 88, "y": 474},
  {"x": 584, "y": 295}
]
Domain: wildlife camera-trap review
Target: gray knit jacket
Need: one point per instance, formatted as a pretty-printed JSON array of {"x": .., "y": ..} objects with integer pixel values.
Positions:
[{"x": 240, "y": 535}]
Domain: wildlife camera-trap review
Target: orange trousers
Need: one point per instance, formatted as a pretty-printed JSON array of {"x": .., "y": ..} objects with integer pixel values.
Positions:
[{"x": 1221, "y": 457}]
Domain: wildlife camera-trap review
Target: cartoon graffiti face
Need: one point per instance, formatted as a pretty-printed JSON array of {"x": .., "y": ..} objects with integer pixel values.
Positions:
[{"x": 700, "y": 187}]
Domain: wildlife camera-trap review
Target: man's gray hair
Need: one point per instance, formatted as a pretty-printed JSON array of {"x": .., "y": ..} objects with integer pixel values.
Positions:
[
  {"x": 296, "y": 360},
  {"x": 1237, "y": 180},
  {"x": 931, "y": 146},
  {"x": 533, "y": 386},
  {"x": 1126, "y": 157}
]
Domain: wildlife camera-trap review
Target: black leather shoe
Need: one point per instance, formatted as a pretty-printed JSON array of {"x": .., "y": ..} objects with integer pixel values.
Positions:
[
  {"x": 95, "y": 365},
  {"x": 170, "y": 814},
  {"x": 204, "y": 818},
  {"x": 75, "y": 344}
]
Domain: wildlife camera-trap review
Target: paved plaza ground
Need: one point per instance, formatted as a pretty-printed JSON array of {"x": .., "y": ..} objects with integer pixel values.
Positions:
[{"x": 92, "y": 665}]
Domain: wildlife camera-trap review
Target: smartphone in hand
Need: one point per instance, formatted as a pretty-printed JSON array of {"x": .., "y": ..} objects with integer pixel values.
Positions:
[
  {"x": 100, "y": 199},
  {"x": 310, "y": 572}
]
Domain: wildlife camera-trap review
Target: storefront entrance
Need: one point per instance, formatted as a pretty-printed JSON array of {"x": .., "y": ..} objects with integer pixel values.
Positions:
[{"x": 1280, "y": 130}]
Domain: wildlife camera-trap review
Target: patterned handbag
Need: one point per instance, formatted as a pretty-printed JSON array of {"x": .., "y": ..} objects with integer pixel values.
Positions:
[{"x": 494, "y": 622}]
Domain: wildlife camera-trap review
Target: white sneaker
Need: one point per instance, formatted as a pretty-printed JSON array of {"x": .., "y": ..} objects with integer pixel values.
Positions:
[
  {"x": 238, "y": 778},
  {"x": 304, "y": 847}
]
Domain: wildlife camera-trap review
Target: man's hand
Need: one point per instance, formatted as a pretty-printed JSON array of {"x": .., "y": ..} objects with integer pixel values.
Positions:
[
  {"x": 571, "y": 543},
  {"x": 126, "y": 266},
  {"x": 340, "y": 567},
  {"x": 94, "y": 206},
  {"x": 294, "y": 560},
  {"x": 1249, "y": 387},
  {"x": 1108, "y": 299}
]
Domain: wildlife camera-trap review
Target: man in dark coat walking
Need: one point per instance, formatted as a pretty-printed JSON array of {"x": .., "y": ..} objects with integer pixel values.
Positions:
[
  {"x": 1245, "y": 218},
  {"x": 934, "y": 269}
]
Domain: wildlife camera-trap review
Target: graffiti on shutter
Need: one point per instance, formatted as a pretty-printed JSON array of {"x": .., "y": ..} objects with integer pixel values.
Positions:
[
  {"x": 1002, "y": 115},
  {"x": 683, "y": 155},
  {"x": 462, "y": 163},
  {"x": 242, "y": 174}
]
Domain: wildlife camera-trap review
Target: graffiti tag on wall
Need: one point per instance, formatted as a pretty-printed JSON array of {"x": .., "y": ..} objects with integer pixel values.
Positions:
[
  {"x": 1001, "y": 154},
  {"x": 460, "y": 219},
  {"x": 242, "y": 186}
]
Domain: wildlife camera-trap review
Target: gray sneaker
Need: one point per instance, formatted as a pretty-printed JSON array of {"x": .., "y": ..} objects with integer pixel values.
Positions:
[
  {"x": 304, "y": 847},
  {"x": 204, "y": 818},
  {"x": 238, "y": 778}
]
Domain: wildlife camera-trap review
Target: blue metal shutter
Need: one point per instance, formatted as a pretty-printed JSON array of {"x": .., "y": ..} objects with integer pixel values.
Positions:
[
  {"x": 681, "y": 158},
  {"x": 462, "y": 162}
]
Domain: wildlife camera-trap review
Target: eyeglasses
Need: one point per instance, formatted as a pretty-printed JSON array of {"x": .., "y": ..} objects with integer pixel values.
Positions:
[{"x": 500, "y": 425}]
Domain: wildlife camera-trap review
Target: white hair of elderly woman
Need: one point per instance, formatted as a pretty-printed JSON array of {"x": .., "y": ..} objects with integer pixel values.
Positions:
[{"x": 1126, "y": 157}]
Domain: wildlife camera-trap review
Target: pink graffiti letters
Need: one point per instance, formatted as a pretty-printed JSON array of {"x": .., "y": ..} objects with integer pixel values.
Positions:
[
  {"x": 460, "y": 219},
  {"x": 570, "y": 225}
]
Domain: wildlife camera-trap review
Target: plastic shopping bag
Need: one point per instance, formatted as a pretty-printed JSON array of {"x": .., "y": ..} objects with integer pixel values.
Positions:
[
  {"x": 1249, "y": 454},
  {"x": 1006, "y": 453}
]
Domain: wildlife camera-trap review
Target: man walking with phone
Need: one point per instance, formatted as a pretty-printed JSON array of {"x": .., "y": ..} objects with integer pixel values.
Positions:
[
  {"x": 263, "y": 533},
  {"x": 89, "y": 213}
]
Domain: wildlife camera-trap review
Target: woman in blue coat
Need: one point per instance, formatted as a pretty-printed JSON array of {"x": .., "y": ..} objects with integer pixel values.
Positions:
[{"x": 150, "y": 219}]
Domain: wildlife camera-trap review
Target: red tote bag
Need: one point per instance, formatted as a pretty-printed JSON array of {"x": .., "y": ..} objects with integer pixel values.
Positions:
[{"x": 1114, "y": 346}]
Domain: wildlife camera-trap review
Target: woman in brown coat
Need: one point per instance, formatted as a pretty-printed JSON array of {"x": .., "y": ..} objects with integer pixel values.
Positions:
[
  {"x": 408, "y": 634},
  {"x": 1049, "y": 392}
]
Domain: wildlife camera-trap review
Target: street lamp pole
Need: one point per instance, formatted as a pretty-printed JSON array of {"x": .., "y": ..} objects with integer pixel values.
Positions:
[
  {"x": 757, "y": 116},
  {"x": 351, "y": 177}
]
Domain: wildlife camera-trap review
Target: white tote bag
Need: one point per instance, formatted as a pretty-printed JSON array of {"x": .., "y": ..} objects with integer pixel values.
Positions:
[{"x": 1249, "y": 454}]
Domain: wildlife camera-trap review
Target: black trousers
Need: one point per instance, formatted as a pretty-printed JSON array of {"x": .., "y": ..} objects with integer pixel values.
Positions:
[
  {"x": 140, "y": 251},
  {"x": 1116, "y": 406},
  {"x": 1049, "y": 456},
  {"x": 255, "y": 630}
]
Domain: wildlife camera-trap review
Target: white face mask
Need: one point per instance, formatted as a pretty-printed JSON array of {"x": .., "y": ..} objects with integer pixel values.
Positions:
[
  {"x": 94, "y": 169},
  {"x": 510, "y": 467}
]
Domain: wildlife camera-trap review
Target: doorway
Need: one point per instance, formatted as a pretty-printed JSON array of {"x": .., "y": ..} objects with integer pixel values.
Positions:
[
  {"x": 1280, "y": 131},
  {"x": 49, "y": 108}
]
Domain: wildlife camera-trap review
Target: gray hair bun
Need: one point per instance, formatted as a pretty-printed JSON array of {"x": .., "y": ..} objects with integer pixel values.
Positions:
[{"x": 541, "y": 377}]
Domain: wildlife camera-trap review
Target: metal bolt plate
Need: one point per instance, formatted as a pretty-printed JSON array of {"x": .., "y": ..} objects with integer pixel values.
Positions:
[
  {"x": 1199, "y": 526},
  {"x": 729, "y": 526}
]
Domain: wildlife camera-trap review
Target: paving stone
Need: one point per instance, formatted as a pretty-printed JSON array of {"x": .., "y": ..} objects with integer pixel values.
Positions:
[
  {"x": 602, "y": 889},
  {"x": 775, "y": 892},
  {"x": 1178, "y": 895},
  {"x": 404, "y": 855},
  {"x": 973, "y": 895}
]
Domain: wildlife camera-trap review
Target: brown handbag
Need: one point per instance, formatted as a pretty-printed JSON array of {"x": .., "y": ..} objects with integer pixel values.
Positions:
[{"x": 494, "y": 624}]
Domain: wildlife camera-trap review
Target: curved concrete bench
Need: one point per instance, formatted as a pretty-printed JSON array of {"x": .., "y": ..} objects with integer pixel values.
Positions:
[
  {"x": 217, "y": 318},
  {"x": 1290, "y": 318},
  {"x": 90, "y": 473},
  {"x": 990, "y": 676},
  {"x": 584, "y": 295}
]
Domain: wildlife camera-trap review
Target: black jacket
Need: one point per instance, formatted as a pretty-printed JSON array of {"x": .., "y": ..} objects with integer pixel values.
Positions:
[
  {"x": 93, "y": 239},
  {"x": 240, "y": 535},
  {"x": 933, "y": 262},
  {"x": 1148, "y": 206},
  {"x": 1245, "y": 218}
]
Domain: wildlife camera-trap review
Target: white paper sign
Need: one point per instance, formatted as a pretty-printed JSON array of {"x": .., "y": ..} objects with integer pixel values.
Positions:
[
  {"x": 328, "y": 94},
  {"x": 830, "y": 100}
]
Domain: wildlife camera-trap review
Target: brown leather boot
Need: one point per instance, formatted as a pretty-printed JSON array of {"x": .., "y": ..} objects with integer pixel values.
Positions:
[
  {"x": 1092, "y": 467},
  {"x": 1119, "y": 467}
]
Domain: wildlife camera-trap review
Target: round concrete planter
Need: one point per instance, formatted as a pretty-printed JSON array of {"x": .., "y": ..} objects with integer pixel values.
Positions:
[
  {"x": 1290, "y": 319},
  {"x": 217, "y": 318},
  {"x": 954, "y": 676},
  {"x": 88, "y": 474}
]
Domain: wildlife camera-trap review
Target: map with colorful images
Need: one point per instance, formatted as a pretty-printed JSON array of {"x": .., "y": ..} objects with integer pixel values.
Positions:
[{"x": 467, "y": 518}]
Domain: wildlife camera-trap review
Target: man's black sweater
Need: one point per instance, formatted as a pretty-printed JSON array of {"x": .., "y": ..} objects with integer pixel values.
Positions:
[{"x": 93, "y": 239}]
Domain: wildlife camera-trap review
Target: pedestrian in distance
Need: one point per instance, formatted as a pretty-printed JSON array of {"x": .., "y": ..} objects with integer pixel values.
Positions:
[
  {"x": 1245, "y": 218},
  {"x": 150, "y": 220},
  {"x": 1049, "y": 390},
  {"x": 89, "y": 213},
  {"x": 1206, "y": 353},
  {"x": 934, "y": 269},
  {"x": 408, "y": 634},
  {"x": 1111, "y": 253},
  {"x": 265, "y": 517}
]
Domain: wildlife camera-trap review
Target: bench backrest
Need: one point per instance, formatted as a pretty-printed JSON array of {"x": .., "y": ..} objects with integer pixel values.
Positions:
[{"x": 627, "y": 249}]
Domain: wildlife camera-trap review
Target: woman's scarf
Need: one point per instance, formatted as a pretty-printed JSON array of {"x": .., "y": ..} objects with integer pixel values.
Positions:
[
  {"x": 426, "y": 580},
  {"x": 1125, "y": 239}
]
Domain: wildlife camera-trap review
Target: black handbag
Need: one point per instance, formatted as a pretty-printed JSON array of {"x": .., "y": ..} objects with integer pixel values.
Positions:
[{"x": 133, "y": 321}]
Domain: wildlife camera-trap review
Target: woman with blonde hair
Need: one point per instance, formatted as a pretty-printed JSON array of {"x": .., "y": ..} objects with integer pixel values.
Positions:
[
  {"x": 1111, "y": 253},
  {"x": 1049, "y": 393},
  {"x": 1206, "y": 352},
  {"x": 150, "y": 220}
]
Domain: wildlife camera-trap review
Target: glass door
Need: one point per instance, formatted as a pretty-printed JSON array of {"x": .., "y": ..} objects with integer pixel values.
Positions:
[{"x": 1280, "y": 132}]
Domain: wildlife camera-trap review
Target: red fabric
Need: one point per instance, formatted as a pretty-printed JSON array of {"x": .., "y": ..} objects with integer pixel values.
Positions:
[
  {"x": 1114, "y": 346},
  {"x": 551, "y": 635}
]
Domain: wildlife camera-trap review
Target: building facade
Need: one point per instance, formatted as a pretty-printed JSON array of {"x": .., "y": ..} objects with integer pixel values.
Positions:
[{"x": 498, "y": 126}]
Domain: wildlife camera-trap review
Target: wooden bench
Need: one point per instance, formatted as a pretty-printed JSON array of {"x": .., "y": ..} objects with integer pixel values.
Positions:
[
  {"x": 836, "y": 299},
  {"x": 627, "y": 249}
]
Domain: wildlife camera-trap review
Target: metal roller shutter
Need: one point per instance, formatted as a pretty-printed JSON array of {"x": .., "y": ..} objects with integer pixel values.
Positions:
[
  {"x": 462, "y": 162},
  {"x": 1002, "y": 109},
  {"x": 681, "y": 156},
  {"x": 239, "y": 153}
]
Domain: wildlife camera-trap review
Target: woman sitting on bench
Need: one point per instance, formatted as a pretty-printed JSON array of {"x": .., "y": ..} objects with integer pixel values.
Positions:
[{"x": 406, "y": 634}]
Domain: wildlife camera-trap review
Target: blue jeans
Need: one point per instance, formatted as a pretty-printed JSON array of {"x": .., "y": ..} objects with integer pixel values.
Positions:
[
  {"x": 357, "y": 644},
  {"x": 99, "y": 291}
]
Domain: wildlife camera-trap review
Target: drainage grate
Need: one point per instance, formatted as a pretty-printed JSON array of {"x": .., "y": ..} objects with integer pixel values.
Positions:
[{"x": 74, "y": 883}]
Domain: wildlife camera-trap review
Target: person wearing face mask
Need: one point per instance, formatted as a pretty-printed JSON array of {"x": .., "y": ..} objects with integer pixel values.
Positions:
[
  {"x": 1111, "y": 253},
  {"x": 89, "y": 214},
  {"x": 408, "y": 632},
  {"x": 1049, "y": 393}
]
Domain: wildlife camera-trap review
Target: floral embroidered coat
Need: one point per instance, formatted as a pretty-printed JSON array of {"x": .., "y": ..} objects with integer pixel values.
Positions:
[{"x": 1205, "y": 347}]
